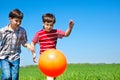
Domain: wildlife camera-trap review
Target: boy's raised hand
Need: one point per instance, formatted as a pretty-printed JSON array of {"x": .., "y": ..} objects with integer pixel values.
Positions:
[{"x": 71, "y": 23}]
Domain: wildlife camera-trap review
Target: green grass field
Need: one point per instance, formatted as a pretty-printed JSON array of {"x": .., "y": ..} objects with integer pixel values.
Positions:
[{"x": 76, "y": 72}]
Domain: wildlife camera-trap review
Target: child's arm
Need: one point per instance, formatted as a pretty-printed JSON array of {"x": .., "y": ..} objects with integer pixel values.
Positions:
[
  {"x": 32, "y": 49},
  {"x": 28, "y": 46},
  {"x": 68, "y": 31},
  {"x": 33, "y": 52}
]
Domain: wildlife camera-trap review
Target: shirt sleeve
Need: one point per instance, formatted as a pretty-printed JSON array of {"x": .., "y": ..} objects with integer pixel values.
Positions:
[
  {"x": 61, "y": 33},
  {"x": 24, "y": 37},
  {"x": 2, "y": 30},
  {"x": 35, "y": 38},
  {"x": 0, "y": 35}
]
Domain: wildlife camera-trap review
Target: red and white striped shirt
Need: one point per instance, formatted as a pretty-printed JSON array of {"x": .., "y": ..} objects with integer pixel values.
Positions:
[{"x": 47, "y": 40}]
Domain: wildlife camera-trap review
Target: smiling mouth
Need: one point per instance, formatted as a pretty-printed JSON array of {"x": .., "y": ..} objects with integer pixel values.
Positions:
[{"x": 48, "y": 30}]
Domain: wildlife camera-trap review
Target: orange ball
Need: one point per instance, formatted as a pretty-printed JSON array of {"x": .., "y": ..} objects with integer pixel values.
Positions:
[{"x": 52, "y": 63}]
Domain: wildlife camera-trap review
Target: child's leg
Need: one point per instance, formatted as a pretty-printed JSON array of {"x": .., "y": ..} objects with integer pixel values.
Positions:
[{"x": 50, "y": 78}]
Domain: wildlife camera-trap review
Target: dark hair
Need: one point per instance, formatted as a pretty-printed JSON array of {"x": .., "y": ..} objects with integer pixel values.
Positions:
[
  {"x": 48, "y": 17},
  {"x": 16, "y": 13}
]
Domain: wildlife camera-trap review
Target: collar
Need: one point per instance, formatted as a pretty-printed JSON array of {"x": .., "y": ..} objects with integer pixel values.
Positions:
[{"x": 7, "y": 29}]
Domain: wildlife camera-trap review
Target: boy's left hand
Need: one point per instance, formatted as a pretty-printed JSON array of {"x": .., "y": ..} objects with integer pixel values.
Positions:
[{"x": 71, "y": 23}]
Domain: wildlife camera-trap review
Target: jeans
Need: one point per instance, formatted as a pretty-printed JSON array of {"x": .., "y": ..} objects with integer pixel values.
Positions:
[{"x": 10, "y": 70}]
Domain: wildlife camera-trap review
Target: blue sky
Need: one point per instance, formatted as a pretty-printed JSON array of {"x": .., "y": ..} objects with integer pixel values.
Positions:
[{"x": 95, "y": 37}]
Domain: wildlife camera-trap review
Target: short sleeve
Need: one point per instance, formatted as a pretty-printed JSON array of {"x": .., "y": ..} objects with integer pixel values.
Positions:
[
  {"x": 0, "y": 35},
  {"x": 35, "y": 38},
  {"x": 24, "y": 37},
  {"x": 61, "y": 33},
  {"x": 2, "y": 30}
]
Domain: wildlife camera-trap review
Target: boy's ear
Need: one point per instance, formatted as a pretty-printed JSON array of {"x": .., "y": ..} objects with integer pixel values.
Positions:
[
  {"x": 10, "y": 18},
  {"x": 42, "y": 23}
]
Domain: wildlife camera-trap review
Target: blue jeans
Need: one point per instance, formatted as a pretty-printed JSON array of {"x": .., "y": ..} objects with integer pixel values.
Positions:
[{"x": 10, "y": 70}]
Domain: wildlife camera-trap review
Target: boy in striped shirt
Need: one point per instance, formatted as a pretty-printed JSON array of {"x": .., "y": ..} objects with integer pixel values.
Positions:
[{"x": 47, "y": 37}]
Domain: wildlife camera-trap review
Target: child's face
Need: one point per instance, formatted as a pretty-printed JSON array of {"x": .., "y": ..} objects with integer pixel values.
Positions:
[
  {"x": 15, "y": 22},
  {"x": 48, "y": 26}
]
